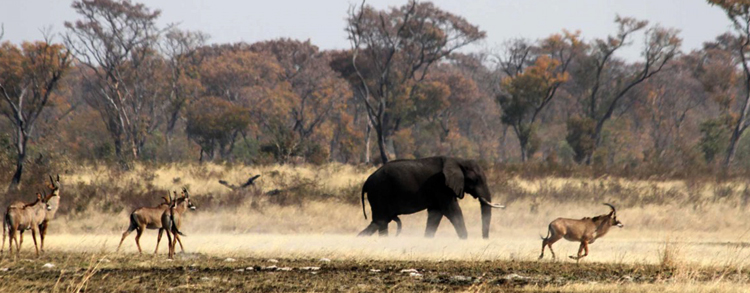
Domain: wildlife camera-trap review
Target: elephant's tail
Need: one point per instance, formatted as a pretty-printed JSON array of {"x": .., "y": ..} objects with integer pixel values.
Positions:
[
  {"x": 363, "y": 203},
  {"x": 398, "y": 225}
]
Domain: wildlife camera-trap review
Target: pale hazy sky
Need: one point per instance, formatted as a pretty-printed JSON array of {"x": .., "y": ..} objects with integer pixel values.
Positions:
[{"x": 322, "y": 21}]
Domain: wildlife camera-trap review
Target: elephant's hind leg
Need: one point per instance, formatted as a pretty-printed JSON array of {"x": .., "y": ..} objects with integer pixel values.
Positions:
[
  {"x": 369, "y": 230},
  {"x": 382, "y": 228},
  {"x": 433, "y": 221}
]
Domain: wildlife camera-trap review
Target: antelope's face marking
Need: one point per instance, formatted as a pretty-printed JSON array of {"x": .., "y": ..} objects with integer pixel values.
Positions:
[{"x": 617, "y": 223}]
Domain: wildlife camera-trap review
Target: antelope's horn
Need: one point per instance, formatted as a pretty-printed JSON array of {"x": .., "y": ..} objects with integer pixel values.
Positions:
[
  {"x": 52, "y": 181},
  {"x": 611, "y": 207}
]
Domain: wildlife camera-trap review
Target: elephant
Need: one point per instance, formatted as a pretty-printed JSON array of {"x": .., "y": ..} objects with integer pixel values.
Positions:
[{"x": 436, "y": 183}]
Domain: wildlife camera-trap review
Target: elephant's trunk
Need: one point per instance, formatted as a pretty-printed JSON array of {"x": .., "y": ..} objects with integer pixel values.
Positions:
[
  {"x": 485, "y": 200},
  {"x": 486, "y": 217}
]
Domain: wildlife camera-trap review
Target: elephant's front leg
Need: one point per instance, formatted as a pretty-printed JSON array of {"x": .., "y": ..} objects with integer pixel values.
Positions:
[
  {"x": 433, "y": 221},
  {"x": 456, "y": 217}
]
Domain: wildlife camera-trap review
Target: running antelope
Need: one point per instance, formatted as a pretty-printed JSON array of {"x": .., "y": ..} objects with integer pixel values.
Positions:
[
  {"x": 585, "y": 230},
  {"x": 27, "y": 217},
  {"x": 146, "y": 218},
  {"x": 171, "y": 220}
]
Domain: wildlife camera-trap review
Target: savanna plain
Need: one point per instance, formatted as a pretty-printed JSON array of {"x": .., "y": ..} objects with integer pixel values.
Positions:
[{"x": 295, "y": 230}]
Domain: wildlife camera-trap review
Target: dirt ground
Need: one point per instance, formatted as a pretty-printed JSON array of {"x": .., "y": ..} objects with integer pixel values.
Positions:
[
  {"x": 344, "y": 263},
  {"x": 203, "y": 273}
]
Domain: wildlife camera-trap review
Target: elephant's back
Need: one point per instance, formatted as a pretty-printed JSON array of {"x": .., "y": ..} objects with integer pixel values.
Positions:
[{"x": 402, "y": 176}]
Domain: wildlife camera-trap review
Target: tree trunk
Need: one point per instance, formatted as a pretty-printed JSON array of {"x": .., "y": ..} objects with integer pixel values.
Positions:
[
  {"x": 20, "y": 158},
  {"x": 368, "y": 129},
  {"x": 732, "y": 149},
  {"x": 739, "y": 128},
  {"x": 381, "y": 145}
]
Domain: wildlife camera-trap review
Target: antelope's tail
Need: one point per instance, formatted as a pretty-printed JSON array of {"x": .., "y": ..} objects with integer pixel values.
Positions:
[{"x": 549, "y": 232}]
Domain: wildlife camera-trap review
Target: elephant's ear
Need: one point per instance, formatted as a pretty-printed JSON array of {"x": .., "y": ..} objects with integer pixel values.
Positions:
[{"x": 454, "y": 177}]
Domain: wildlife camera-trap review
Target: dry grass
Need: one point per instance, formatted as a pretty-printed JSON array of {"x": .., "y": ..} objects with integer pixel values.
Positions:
[{"x": 683, "y": 227}]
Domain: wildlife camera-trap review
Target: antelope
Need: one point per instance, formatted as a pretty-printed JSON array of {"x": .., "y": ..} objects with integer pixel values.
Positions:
[
  {"x": 171, "y": 220},
  {"x": 585, "y": 230},
  {"x": 26, "y": 217},
  {"x": 146, "y": 218},
  {"x": 53, "y": 200}
]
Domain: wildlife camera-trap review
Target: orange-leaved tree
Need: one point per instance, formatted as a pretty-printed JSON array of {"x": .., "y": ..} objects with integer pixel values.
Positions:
[{"x": 28, "y": 77}]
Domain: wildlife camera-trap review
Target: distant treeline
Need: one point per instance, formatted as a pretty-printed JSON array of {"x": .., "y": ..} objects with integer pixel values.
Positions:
[{"x": 117, "y": 88}]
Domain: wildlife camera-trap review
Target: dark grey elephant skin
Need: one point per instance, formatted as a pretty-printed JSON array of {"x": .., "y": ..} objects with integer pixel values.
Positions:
[{"x": 436, "y": 184}]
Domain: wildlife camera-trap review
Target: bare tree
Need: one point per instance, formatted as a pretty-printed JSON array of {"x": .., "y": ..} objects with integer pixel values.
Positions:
[
  {"x": 116, "y": 40},
  {"x": 393, "y": 51},
  {"x": 738, "y": 13},
  {"x": 26, "y": 84},
  {"x": 183, "y": 61},
  {"x": 534, "y": 75},
  {"x": 609, "y": 85}
]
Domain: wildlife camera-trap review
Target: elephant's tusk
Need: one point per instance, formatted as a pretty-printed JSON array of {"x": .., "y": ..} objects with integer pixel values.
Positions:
[{"x": 484, "y": 201}]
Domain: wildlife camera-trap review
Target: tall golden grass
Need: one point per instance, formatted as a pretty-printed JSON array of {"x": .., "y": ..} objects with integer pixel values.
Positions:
[{"x": 674, "y": 221}]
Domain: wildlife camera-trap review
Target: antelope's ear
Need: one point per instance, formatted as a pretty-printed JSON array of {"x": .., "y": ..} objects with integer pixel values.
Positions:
[{"x": 454, "y": 177}]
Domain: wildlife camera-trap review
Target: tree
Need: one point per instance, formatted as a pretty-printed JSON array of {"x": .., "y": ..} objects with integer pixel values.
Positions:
[
  {"x": 528, "y": 89},
  {"x": 117, "y": 40},
  {"x": 28, "y": 77},
  {"x": 738, "y": 12},
  {"x": 214, "y": 124},
  {"x": 607, "y": 81},
  {"x": 183, "y": 61},
  {"x": 392, "y": 52},
  {"x": 317, "y": 89}
]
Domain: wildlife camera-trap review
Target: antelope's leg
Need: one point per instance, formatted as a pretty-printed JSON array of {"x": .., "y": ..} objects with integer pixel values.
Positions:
[
  {"x": 170, "y": 244},
  {"x": 124, "y": 235},
  {"x": 5, "y": 233},
  {"x": 586, "y": 248},
  {"x": 138, "y": 234},
  {"x": 544, "y": 243},
  {"x": 20, "y": 235},
  {"x": 11, "y": 233},
  {"x": 18, "y": 248},
  {"x": 42, "y": 233},
  {"x": 580, "y": 250},
  {"x": 551, "y": 240},
  {"x": 179, "y": 240},
  {"x": 33, "y": 236},
  {"x": 158, "y": 239}
]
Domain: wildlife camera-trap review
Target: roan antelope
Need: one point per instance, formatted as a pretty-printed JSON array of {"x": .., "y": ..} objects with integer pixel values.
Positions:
[
  {"x": 171, "y": 220},
  {"x": 585, "y": 230},
  {"x": 146, "y": 218},
  {"x": 53, "y": 201},
  {"x": 27, "y": 217}
]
